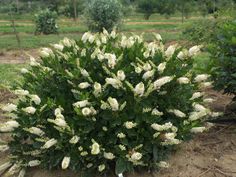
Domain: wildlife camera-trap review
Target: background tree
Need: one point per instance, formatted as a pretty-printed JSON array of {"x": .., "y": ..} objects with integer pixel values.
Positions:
[
  {"x": 75, "y": 9},
  {"x": 185, "y": 7},
  {"x": 127, "y": 6},
  {"x": 12, "y": 15},
  {"x": 101, "y": 14},
  {"x": 147, "y": 7},
  {"x": 53, "y": 5},
  {"x": 166, "y": 7},
  {"x": 213, "y": 6},
  {"x": 72, "y": 8}
]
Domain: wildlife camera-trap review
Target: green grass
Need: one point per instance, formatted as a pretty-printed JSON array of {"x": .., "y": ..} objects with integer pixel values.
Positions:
[
  {"x": 143, "y": 27},
  {"x": 170, "y": 29},
  {"x": 28, "y": 41},
  {"x": 9, "y": 74},
  {"x": 6, "y": 16},
  {"x": 19, "y": 28},
  {"x": 6, "y": 28}
]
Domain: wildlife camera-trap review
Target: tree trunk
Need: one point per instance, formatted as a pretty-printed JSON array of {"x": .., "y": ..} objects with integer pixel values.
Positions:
[
  {"x": 14, "y": 30},
  {"x": 214, "y": 6},
  {"x": 182, "y": 11},
  {"x": 17, "y": 6},
  {"x": 75, "y": 9},
  {"x": 147, "y": 16}
]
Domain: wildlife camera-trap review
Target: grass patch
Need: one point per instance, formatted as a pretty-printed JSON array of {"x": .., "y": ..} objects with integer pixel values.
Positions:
[
  {"x": 143, "y": 27},
  {"x": 69, "y": 28},
  {"x": 7, "y": 28},
  {"x": 73, "y": 28},
  {"x": 10, "y": 74},
  {"x": 29, "y": 41},
  {"x": 19, "y": 28},
  {"x": 6, "y": 16}
]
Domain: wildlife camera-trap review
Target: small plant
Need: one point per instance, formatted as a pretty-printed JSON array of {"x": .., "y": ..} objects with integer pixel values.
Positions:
[
  {"x": 46, "y": 22},
  {"x": 101, "y": 14},
  {"x": 105, "y": 102}
]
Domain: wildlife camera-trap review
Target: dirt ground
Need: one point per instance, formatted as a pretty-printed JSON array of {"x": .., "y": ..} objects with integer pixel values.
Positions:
[
  {"x": 17, "y": 56},
  {"x": 211, "y": 154}
]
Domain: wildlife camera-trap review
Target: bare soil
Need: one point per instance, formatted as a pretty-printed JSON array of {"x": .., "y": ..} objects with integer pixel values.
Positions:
[
  {"x": 211, "y": 154},
  {"x": 17, "y": 56}
]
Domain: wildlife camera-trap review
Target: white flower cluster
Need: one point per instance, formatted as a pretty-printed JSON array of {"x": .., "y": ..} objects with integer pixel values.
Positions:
[
  {"x": 9, "y": 126},
  {"x": 60, "y": 121}
]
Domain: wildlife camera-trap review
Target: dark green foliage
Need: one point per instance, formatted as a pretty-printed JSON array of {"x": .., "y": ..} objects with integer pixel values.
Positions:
[
  {"x": 223, "y": 51},
  {"x": 212, "y": 6},
  {"x": 147, "y": 7},
  {"x": 166, "y": 7},
  {"x": 46, "y": 22},
  {"x": 68, "y": 8},
  {"x": 202, "y": 31},
  {"x": 101, "y": 14},
  {"x": 219, "y": 39}
]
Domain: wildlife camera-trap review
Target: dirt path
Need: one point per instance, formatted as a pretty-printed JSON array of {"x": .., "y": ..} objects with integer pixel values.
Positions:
[{"x": 207, "y": 155}]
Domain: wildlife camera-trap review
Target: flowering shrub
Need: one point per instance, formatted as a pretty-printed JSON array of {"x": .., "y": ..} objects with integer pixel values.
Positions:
[
  {"x": 101, "y": 14},
  {"x": 105, "y": 102},
  {"x": 46, "y": 22}
]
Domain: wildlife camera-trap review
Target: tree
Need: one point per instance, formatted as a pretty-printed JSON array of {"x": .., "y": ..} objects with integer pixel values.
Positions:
[
  {"x": 72, "y": 8},
  {"x": 166, "y": 7},
  {"x": 212, "y": 6},
  {"x": 184, "y": 6},
  {"x": 14, "y": 27},
  {"x": 101, "y": 14},
  {"x": 53, "y": 5},
  {"x": 147, "y": 7},
  {"x": 75, "y": 9},
  {"x": 17, "y": 6}
]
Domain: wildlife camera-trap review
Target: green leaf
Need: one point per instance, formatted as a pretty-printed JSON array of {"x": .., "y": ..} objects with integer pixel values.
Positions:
[
  {"x": 121, "y": 166},
  {"x": 155, "y": 157},
  {"x": 234, "y": 75}
]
